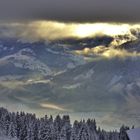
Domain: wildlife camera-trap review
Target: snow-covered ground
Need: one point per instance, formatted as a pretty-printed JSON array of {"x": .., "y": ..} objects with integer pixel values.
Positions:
[{"x": 134, "y": 134}]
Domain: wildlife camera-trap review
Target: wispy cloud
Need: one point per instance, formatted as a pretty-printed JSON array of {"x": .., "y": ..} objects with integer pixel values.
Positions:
[
  {"x": 53, "y": 106},
  {"x": 107, "y": 52}
]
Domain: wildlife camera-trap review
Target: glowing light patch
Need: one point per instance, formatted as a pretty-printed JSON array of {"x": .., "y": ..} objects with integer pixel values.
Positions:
[
  {"x": 57, "y": 30},
  {"x": 51, "y": 30},
  {"x": 52, "y": 106},
  {"x": 86, "y": 30}
]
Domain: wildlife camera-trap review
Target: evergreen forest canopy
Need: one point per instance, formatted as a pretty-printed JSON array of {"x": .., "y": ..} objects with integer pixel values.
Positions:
[{"x": 26, "y": 126}]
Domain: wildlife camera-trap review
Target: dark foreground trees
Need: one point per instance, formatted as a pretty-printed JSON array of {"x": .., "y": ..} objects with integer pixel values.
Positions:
[{"x": 23, "y": 126}]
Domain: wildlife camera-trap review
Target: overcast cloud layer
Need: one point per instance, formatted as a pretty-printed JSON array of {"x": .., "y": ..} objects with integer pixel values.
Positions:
[{"x": 71, "y": 10}]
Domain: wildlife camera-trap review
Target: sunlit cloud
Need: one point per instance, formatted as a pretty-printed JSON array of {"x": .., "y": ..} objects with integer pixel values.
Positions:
[
  {"x": 51, "y": 30},
  {"x": 108, "y": 52},
  {"x": 52, "y": 106},
  {"x": 119, "y": 53},
  {"x": 87, "y": 30}
]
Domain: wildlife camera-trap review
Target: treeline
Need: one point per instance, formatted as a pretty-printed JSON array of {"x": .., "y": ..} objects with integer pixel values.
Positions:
[{"x": 25, "y": 126}]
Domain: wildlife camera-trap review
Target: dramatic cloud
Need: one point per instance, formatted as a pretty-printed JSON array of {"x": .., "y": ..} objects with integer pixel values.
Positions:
[
  {"x": 50, "y": 30},
  {"x": 71, "y": 10}
]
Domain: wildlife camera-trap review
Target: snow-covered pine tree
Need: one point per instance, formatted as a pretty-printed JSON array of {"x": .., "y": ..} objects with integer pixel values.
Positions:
[
  {"x": 67, "y": 125},
  {"x": 12, "y": 130},
  {"x": 84, "y": 133},
  {"x": 45, "y": 130},
  {"x": 73, "y": 134},
  {"x": 123, "y": 134},
  {"x": 21, "y": 126},
  {"x": 63, "y": 133}
]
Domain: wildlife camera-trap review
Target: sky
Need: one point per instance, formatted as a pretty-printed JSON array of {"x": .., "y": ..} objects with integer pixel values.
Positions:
[
  {"x": 49, "y": 20},
  {"x": 71, "y": 10}
]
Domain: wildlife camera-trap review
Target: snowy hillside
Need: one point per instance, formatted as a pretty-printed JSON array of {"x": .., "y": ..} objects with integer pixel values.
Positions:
[{"x": 34, "y": 58}]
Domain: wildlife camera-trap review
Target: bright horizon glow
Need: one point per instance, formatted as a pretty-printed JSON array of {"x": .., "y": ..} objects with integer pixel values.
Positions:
[
  {"x": 58, "y": 30},
  {"x": 51, "y": 30},
  {"x": 85, "y": 30}
]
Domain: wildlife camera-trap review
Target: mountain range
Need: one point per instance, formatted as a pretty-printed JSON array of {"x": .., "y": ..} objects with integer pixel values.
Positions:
[{"x": 51, "y": 76}]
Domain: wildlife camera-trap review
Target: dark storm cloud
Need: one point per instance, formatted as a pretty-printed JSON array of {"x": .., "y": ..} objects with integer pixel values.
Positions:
[{"x": 71, "y": 10}]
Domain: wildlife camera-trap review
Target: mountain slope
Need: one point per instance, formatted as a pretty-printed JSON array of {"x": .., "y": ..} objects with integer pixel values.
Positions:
[{"x": 41, "y": 75}]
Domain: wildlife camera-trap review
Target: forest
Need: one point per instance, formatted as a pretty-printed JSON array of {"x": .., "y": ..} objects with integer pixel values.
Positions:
[{"x": 26, "y": 126}]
